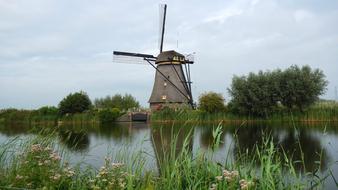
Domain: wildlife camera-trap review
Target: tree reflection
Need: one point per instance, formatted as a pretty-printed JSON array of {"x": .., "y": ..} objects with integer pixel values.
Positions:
[
  {"x": 299, "y": 145},
  {"x": 120, "y": 131},
  {"x": 114, "y": 131},
  {"x": 168, "y": 142},
  {"x": 74, "y": 141},
  {"x": 207, "y": 139},
  {"x": 15, "y": 129},
  {"x": 306, "y": 148}
]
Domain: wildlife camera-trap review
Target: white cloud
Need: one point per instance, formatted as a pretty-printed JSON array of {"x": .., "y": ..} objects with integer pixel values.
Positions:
[
  {"x": 224, "y": 15},
  {"x": 301, "y": 15},
  {"x": 254, "y": 2}
]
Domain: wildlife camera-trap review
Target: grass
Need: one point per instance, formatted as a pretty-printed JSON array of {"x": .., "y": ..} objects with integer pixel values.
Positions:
[
  {"x": 39, "y": 163},
  {"x": 36, "y": 117},
  {"x": 317, "y": 113}
]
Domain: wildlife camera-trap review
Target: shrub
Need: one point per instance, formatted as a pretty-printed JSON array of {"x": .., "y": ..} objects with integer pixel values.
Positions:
[
  {"x": 109, "y": 115},
  {"x": 75, "y": 103},
  {"x": 12, "y": 115},
  {"x": 211, "y": 102},
  {"x": 48, "y": 110},
  {"x": 117, "y": 101}
]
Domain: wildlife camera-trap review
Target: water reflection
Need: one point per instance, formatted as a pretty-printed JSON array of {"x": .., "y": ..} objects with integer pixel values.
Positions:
[
  {"x": 305, "y": 143},
  {"x": 168, "y": 142},
  {"x": 14, "y": 130},
  {"x": 301, "y": 145},
  {"x": 207, "y": 138},
  {"x": 307, "y": 148},
  {"x": 74, "y": 141},
  {"x": 117, "y": 131}
]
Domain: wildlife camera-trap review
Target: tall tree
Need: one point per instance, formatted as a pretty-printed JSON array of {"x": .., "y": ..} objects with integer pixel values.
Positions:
[
  {"x": 211, "y": 102},
  {"x": 75, "y": 103},
  {"x": 260, "y": 94},
  {"x": 301, "y": 86}
]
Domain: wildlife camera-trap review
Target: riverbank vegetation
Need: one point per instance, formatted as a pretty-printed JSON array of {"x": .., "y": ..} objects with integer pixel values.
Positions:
[
  {"x": 320, "y": 111},
  {"x": 76, "y": 108},
  {"x": 39, "y": 163},
  {"x": 121, "y": 102}
]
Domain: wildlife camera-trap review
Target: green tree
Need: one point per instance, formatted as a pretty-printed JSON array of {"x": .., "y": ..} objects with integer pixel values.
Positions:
[
  {"x": 255, "y": 94},
  {"x": 105, "y": 102},
  {"x": 117, "y": 101},
  {"x": 48, "y": 110},
  {"x": 211, "y": 102},
  {"x": 128, "y": 101},
  {"x": 260, "y": 94},
  {"x": 109, "y": 115},
  {"x": 75, "y": 103},
  {"x": 301, "y": 87}
]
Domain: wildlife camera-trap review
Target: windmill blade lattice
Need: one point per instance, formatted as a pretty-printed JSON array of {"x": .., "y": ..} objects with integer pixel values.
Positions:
[
  {"x": 163, "y": 12},
  {"x": 132, "y": 58}
]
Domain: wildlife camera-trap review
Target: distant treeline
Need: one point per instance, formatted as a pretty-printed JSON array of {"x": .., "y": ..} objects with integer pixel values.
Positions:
[{"x": 75, "y": 106}]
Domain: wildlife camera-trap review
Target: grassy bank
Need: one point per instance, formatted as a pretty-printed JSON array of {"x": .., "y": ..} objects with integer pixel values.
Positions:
[
  {"x": 36, "y": 117},
  {"x": 41, "y": 163},
  {"x": 316, "y": 113}
]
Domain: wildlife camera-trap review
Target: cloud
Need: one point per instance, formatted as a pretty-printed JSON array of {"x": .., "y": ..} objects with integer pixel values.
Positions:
[
  {"x": 51, "y": 48},
  {"x": 254, "y": 2},
  {"x": 224, "y": 15},
  {"x": 301, "y": 15}
]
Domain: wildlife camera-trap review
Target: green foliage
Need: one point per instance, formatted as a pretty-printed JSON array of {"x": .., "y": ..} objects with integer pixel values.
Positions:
[
  {"x": 128, "y": 101},
  {"x": 48, "y": 110},
  {"x": 44, "y": 168},
  {"x": 267, "y": 92},
  {"x": 75, "y": 103},
  {"x": 12, "y": 115},
  {"x": 108, "y": 115},
  {"x": 254, "y": 94},
  {"x": 211, "y": 102},
  {"x": 117, "y": 101},
  {"x": 301, "y": 86}
]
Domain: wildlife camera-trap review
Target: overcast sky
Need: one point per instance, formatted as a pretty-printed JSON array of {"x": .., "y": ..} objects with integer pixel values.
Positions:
[{"x": 51, "y": 48}]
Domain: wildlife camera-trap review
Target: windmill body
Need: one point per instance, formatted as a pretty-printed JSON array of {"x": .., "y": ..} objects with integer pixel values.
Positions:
[{"x": 172, "y": 85}]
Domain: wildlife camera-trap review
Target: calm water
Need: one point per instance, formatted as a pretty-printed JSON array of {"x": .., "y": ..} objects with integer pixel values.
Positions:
[{"x": 90, "y": 145}]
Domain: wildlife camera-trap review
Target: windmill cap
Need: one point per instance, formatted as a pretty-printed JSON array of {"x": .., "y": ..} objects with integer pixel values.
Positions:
[{"x": 170, "y": 57}]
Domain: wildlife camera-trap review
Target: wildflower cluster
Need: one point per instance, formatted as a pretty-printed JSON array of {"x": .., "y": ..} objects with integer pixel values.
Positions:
[
  {"x": 231, "y": 179},
  {"x": 110, "y": 176},
  {"x": 41, "y": 166},
  {"x": 244, "y": 184}
]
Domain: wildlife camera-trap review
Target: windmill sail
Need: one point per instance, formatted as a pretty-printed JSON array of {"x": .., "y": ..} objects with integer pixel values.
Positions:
[
  {"x": 163, "y": 12},
  {"x": 132, "y": 58},
  {"x": 172, "y": 84}
]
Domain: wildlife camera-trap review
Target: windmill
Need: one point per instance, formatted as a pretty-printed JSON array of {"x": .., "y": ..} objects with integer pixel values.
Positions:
[{"x": 172, "y": 85}]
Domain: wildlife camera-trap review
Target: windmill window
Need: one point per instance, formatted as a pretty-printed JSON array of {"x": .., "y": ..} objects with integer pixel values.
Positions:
[{"x": 164, "y": 97}]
